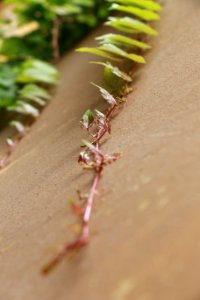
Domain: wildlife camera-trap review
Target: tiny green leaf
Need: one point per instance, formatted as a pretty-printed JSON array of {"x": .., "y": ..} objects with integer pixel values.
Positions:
[{"x": 87, "y": 119}]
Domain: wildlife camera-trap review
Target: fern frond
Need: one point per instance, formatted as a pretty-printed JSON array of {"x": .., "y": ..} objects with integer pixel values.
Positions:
[
  {"x": 33, "y": 34},
  {"x": 28, "y": 42},
  {"x": 117, "y": 44}
]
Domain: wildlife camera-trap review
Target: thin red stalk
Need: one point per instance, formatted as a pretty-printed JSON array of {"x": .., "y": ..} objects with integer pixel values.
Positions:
[
  {"x": 90, "y": 200},
  {"x": 111, "y": 111},
  {"x": 83, "y": 239},
  {"x": 103, "y": 131}
]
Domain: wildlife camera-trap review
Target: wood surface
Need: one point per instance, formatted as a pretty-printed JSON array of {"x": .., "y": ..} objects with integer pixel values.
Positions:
[{"x": 146, "y": 222}]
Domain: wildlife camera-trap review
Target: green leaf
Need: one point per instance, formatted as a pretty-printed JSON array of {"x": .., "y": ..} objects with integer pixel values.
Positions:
[
  {"x": 34, "y": 70},
  {"x": 98, "y": 52},
  {"x": 7, "y": 96},
  {"x": 141, "y": 13},
  {"x": 118, "y": 51},
  {"x": 24, "y": 108},
  {"x": 87, "y": 119},
  {"x": 121, "y": 40},
  {"x": 150, "y": 5},
  {"x": 34, "y": 92},
  {"x": 89, "y": 145},
  {"x": 18, "y": 126},
  {"x": 115, "y": 70},
  {"x": 130, "y": 25},
  {"x": 8, "y": 88}
]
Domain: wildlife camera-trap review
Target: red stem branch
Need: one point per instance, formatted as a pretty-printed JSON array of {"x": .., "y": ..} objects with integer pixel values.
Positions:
[
  {"x": 83, "y": 239},
  {"x": 103, "y": 131}
]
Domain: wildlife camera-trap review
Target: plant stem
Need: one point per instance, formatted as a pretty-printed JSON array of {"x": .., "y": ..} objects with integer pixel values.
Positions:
[
  {"x": 90, "y": 200},
  {"x": 83, "y": 239},
  {"x": 55, "y": 40},
  {"x": 103, "y": 131}
]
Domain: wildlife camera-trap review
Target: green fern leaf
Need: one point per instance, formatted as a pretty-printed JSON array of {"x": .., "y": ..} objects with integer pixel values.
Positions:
[
  {"x": 150, "y": 5},
  {"x": 141, "y": 13},
  {"x": 130, "y": 25},
  {"x": 99, "y": 52},
  {"x": 118, "y": 51}
]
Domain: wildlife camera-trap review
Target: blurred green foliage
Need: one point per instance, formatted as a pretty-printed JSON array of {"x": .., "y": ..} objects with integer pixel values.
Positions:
[
  {"x": 32, "y": 33},
  {"x": 76, "y": 19}
]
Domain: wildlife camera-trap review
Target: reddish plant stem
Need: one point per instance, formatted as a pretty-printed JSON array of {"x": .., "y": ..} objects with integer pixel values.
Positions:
[
  {"x": 90, "y": 200},
  {"x": 103, "y": 131},
  {"x": 84, "y": 237},
  {"x": 111, "y": 111}
]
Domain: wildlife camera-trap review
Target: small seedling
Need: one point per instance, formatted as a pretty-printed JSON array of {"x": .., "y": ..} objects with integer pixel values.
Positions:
[{"x": 116, "y": 48}]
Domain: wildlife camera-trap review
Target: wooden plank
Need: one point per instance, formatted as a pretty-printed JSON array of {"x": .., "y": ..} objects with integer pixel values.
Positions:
[{"x": 146, "y": 225}]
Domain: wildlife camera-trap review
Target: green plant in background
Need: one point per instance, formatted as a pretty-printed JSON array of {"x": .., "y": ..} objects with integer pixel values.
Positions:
[
  {"x": 33, "y": 36},
  {"x": 51, "y": 21},
  {"x": 124, "y": 46}
]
